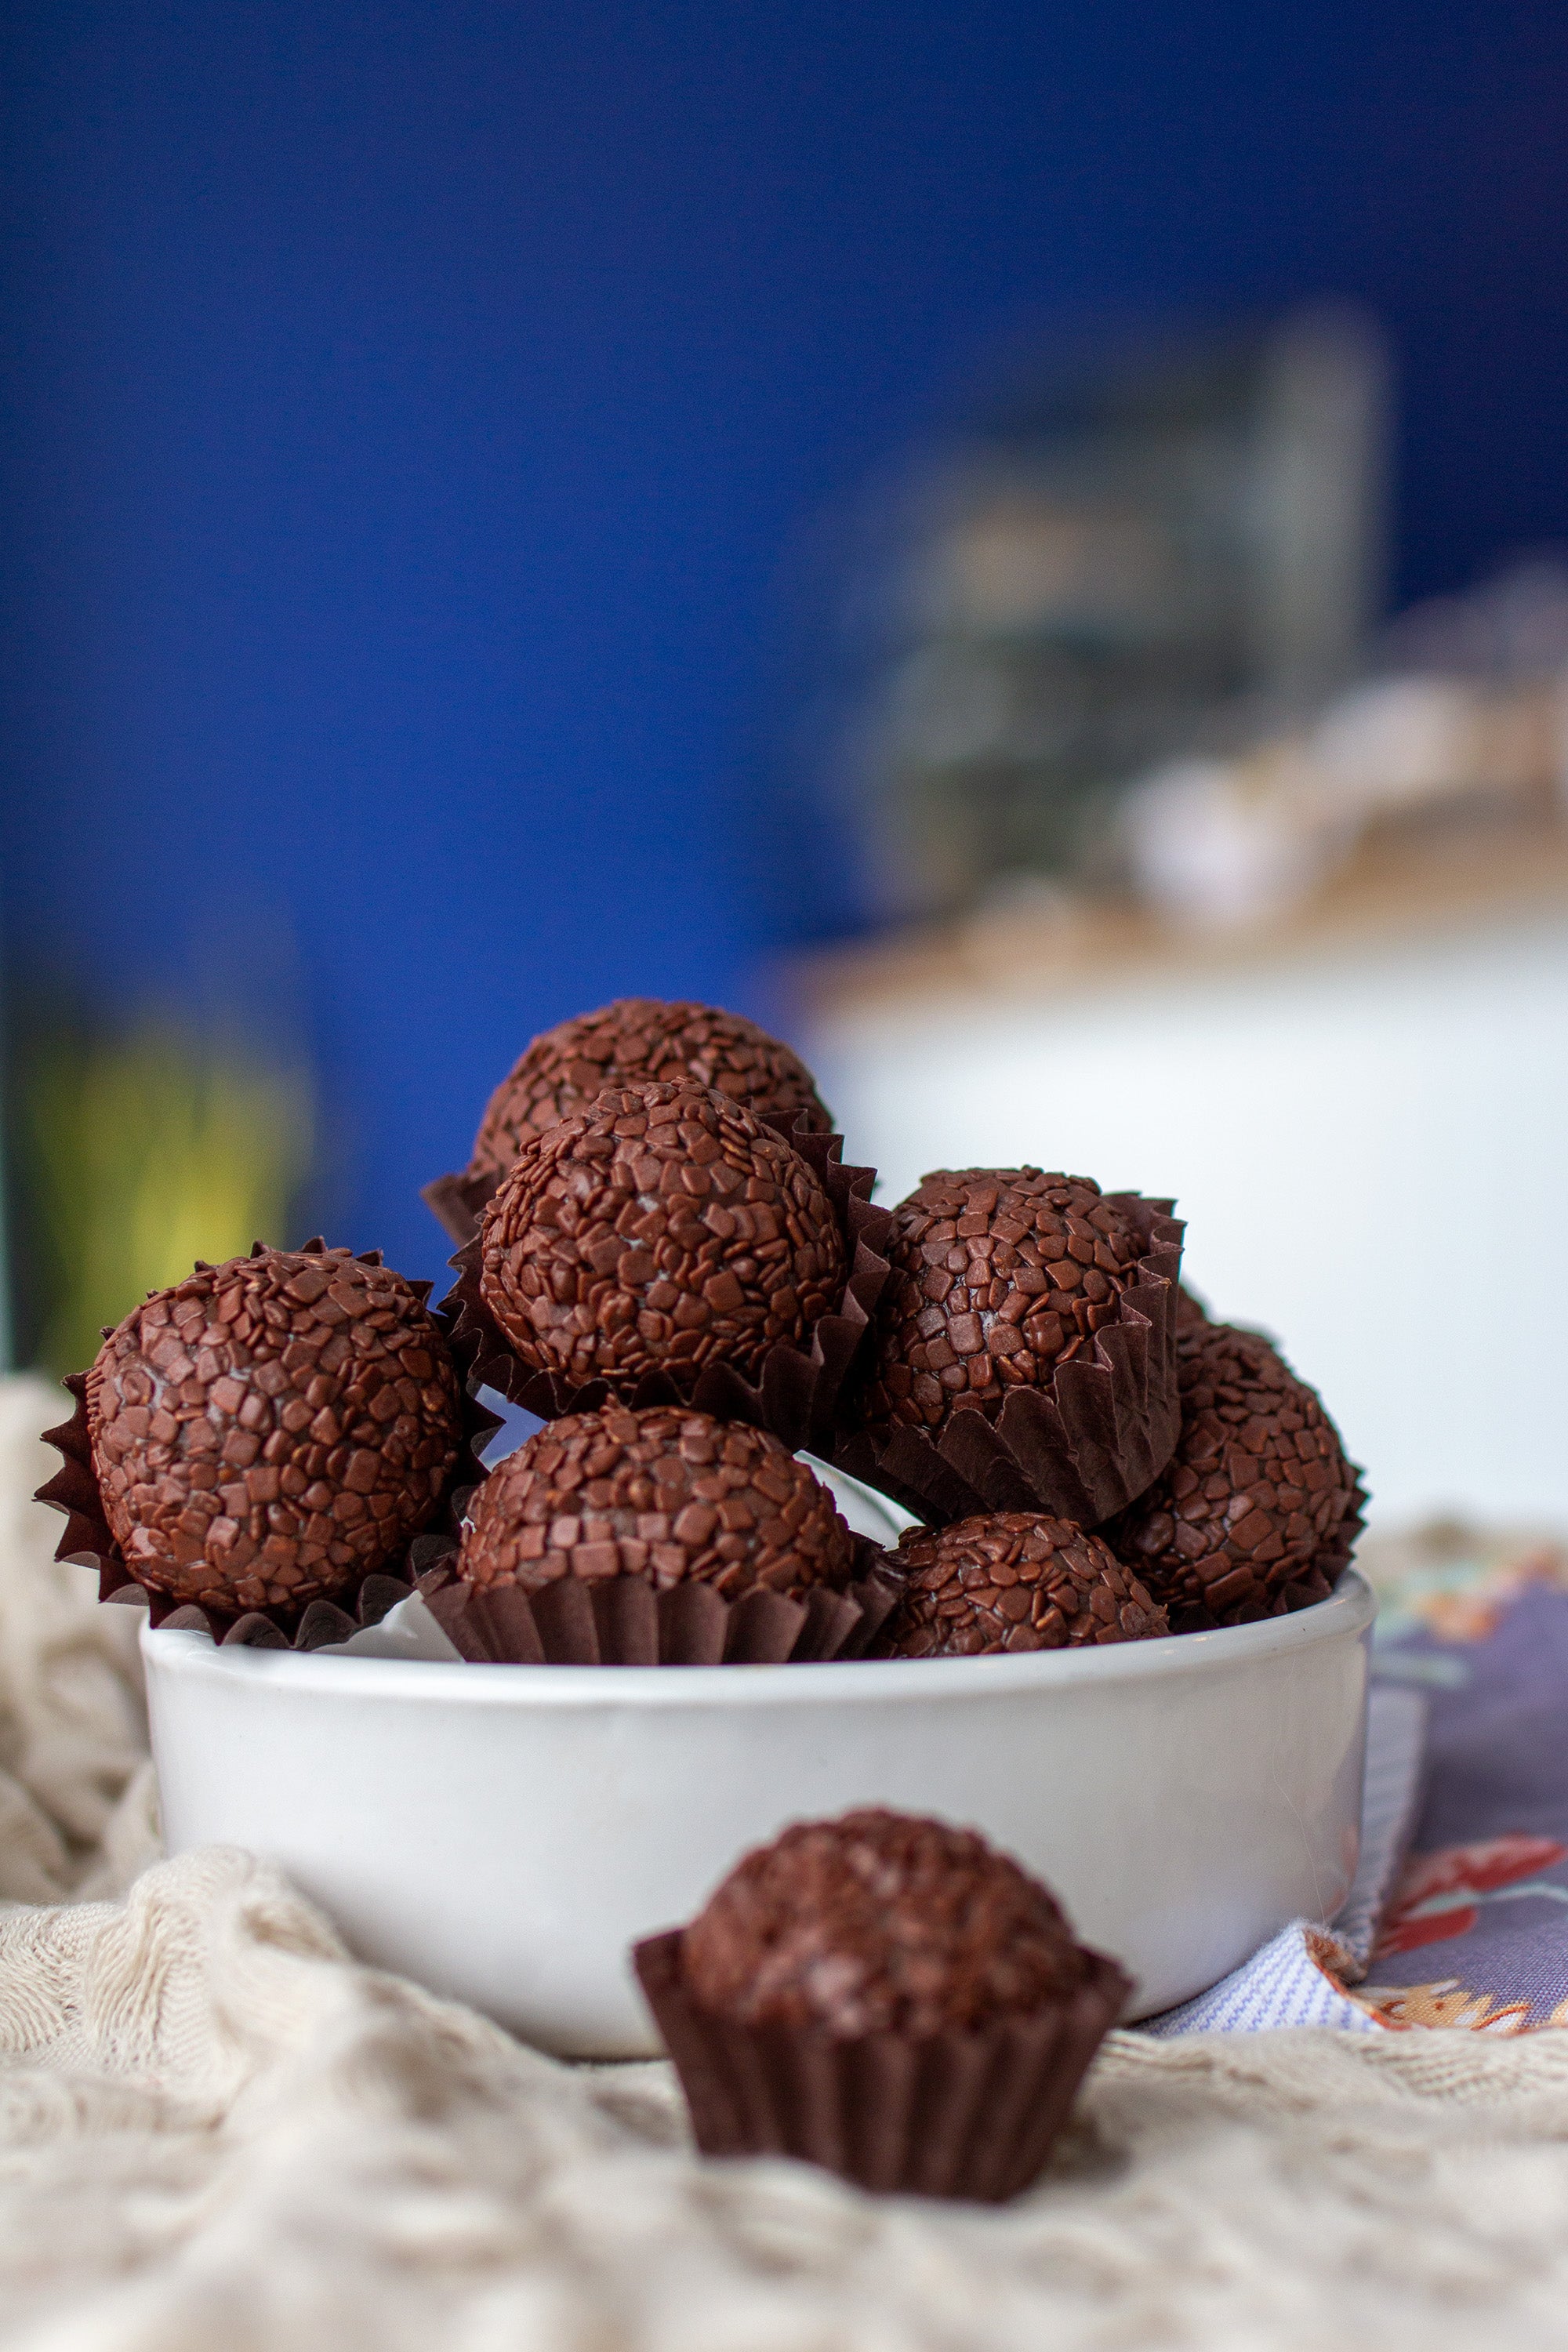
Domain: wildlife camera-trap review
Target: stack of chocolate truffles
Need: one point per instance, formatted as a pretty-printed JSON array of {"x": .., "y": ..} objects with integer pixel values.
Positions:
[
  {"x": 664, "y": 1255},
  {"x": 676, "y": 1248}
]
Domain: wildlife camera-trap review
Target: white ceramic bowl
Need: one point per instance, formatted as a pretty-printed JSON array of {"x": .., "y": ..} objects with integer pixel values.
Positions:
[{"x": 505, "y": 1833}]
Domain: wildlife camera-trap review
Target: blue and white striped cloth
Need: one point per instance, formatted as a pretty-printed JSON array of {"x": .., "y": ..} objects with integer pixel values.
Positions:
[{"x": 1283, "y": 1984}]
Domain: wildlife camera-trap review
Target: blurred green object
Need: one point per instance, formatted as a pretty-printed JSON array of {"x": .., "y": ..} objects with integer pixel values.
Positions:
[{"x": 136, "y": 1156}]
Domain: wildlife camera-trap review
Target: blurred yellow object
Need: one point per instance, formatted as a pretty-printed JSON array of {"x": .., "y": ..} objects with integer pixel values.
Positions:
[{"x": 140, "y": 1155}]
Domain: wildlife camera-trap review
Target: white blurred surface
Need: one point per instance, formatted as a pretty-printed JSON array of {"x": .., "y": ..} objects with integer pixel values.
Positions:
[{"x": 1372, "y": 1155}]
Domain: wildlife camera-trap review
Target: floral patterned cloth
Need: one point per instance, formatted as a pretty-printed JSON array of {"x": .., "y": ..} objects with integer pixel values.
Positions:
[
  {"x": 1476, "y": 1934},
  {"x": 1459, "y": 1912}
]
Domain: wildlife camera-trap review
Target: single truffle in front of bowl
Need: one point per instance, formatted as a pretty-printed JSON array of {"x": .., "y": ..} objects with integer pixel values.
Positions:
[
  {"x": 1258, "y": 1508},
  {"x": 879, "y": 1923},
  {"x": 662, "y": 1229},
  {"x": 669, "y": 1494},
  {"x": 999, "y": 1275},
  {"x": 632, "y": 1043},
  {"x": 1012, "y": 1580},
  {"x": 271, "y": 1430}
]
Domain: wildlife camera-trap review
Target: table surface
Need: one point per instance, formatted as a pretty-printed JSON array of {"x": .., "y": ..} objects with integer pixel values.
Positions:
[{"x": 1414, "y": 890}]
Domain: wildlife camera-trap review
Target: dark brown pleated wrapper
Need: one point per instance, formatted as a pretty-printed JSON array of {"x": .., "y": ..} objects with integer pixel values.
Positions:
[
  {"x": 798, "y": 1391},
  {"x": 624, "y": 1621},
  {"x": 967, "y": 2113},
  {"x": 88, "y": 1539},
  {"x": 457, "y": 1202},
  {"x": 1081, "y": 1447}
]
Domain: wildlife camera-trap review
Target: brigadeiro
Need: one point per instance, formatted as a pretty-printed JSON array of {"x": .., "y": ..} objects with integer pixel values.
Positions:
[
  {"x": 636, "y": 1537},
  {"x": 1025, "y": 1347},
  {"x": 661, "y": 1229},
  {"x": 1258, "y": 1510},
  {"x": 632, "y": 1042},
  {"x": 270, "y": 1431},
  {"x": 667, "y": 1493},
  {"x": 1012, "y": 1580},
  {"x": 889, "y": 1997}
]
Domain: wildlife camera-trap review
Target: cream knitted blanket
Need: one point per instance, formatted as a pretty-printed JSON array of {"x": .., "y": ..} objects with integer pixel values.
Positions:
[{"x": 217, "y": 2130}]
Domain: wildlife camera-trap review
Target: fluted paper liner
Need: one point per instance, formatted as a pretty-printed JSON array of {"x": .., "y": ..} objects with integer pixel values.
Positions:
[
  {"x": 625, "y": 1620},
  {"x": 457, "y": 1202},
  {"x": 968, "y": 2114},
  {"x": 89, "y": 1540},
  {"x": 1081, "y": 1446},
  {"x": 798, "y": 1391}
]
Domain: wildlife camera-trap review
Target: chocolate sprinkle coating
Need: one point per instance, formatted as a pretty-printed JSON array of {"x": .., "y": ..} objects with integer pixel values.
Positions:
[
  {"x": 878, "y": 1923},
  {"x": 999, "y": 1275},
  {"x": 272, "y": 1429},
  {"x": 1259, "y": 1508},
  {"x": 1012, "y": 1580},
  {"x": 663, "y": 1228},
  {"x": 628, "y": 1043},
  {"x": 667, "y": 1493}
]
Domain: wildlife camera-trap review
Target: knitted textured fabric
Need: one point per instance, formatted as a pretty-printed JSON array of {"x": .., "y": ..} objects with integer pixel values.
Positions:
[
  {"x": 76, "y": 1786},
  {"x": 216, "y": 2128},
  {"x": 219, "y": 2130}
]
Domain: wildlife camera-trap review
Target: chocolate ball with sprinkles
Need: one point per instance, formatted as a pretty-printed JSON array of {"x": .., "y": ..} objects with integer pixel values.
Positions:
[
  {"x": 886, "y": 1995},
  {"x": 669, "y": 1494},
  {"x": 1258, "y": 1512},
  {"x": 661, "y": 1229},
  {"x": 272, "y": 1430},
  {"x": 999, "y": 1277},
  {"x": 1012, "y": 1580},
  {"x": 879, "y": 1923},
  {"x": 632, "y": 1041}
]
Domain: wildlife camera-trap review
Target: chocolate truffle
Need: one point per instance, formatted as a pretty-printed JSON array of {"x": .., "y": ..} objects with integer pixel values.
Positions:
[
  {"x": 273, "y": 1429},
  {"x": 885, "y": 1996},
  {"x": 879, "y": 1923},
  {"x": 661, "y": 1229},
  {"x": 999, "y": 1274},
  {"x": 1012, "y": 1580},
  {"x": 630, "y": 1043},
  {"x": 669, "y": 1494},
  {"x": 1191, "y": 1312},
  {"x": 1257, "y": 1511}
]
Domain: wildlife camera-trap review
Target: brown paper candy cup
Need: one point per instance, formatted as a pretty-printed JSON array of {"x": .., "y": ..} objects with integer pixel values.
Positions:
[
  {"x": 624, "y": 1621},
  {"x": 797, "y": 1391},
  {"x": 967, "y": 2113},
  {"x": 457, "y": 1202},
  {"x": 89, "y": 1542},
  {"x": 1082, "y": 1447}
]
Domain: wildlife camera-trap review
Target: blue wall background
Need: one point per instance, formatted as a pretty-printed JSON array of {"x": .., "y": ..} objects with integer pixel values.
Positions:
[{"x": 407, "y": 410}]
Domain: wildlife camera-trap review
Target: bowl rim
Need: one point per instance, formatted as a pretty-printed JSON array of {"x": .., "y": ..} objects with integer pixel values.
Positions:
[{"x": 1347, "y": 1612}]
